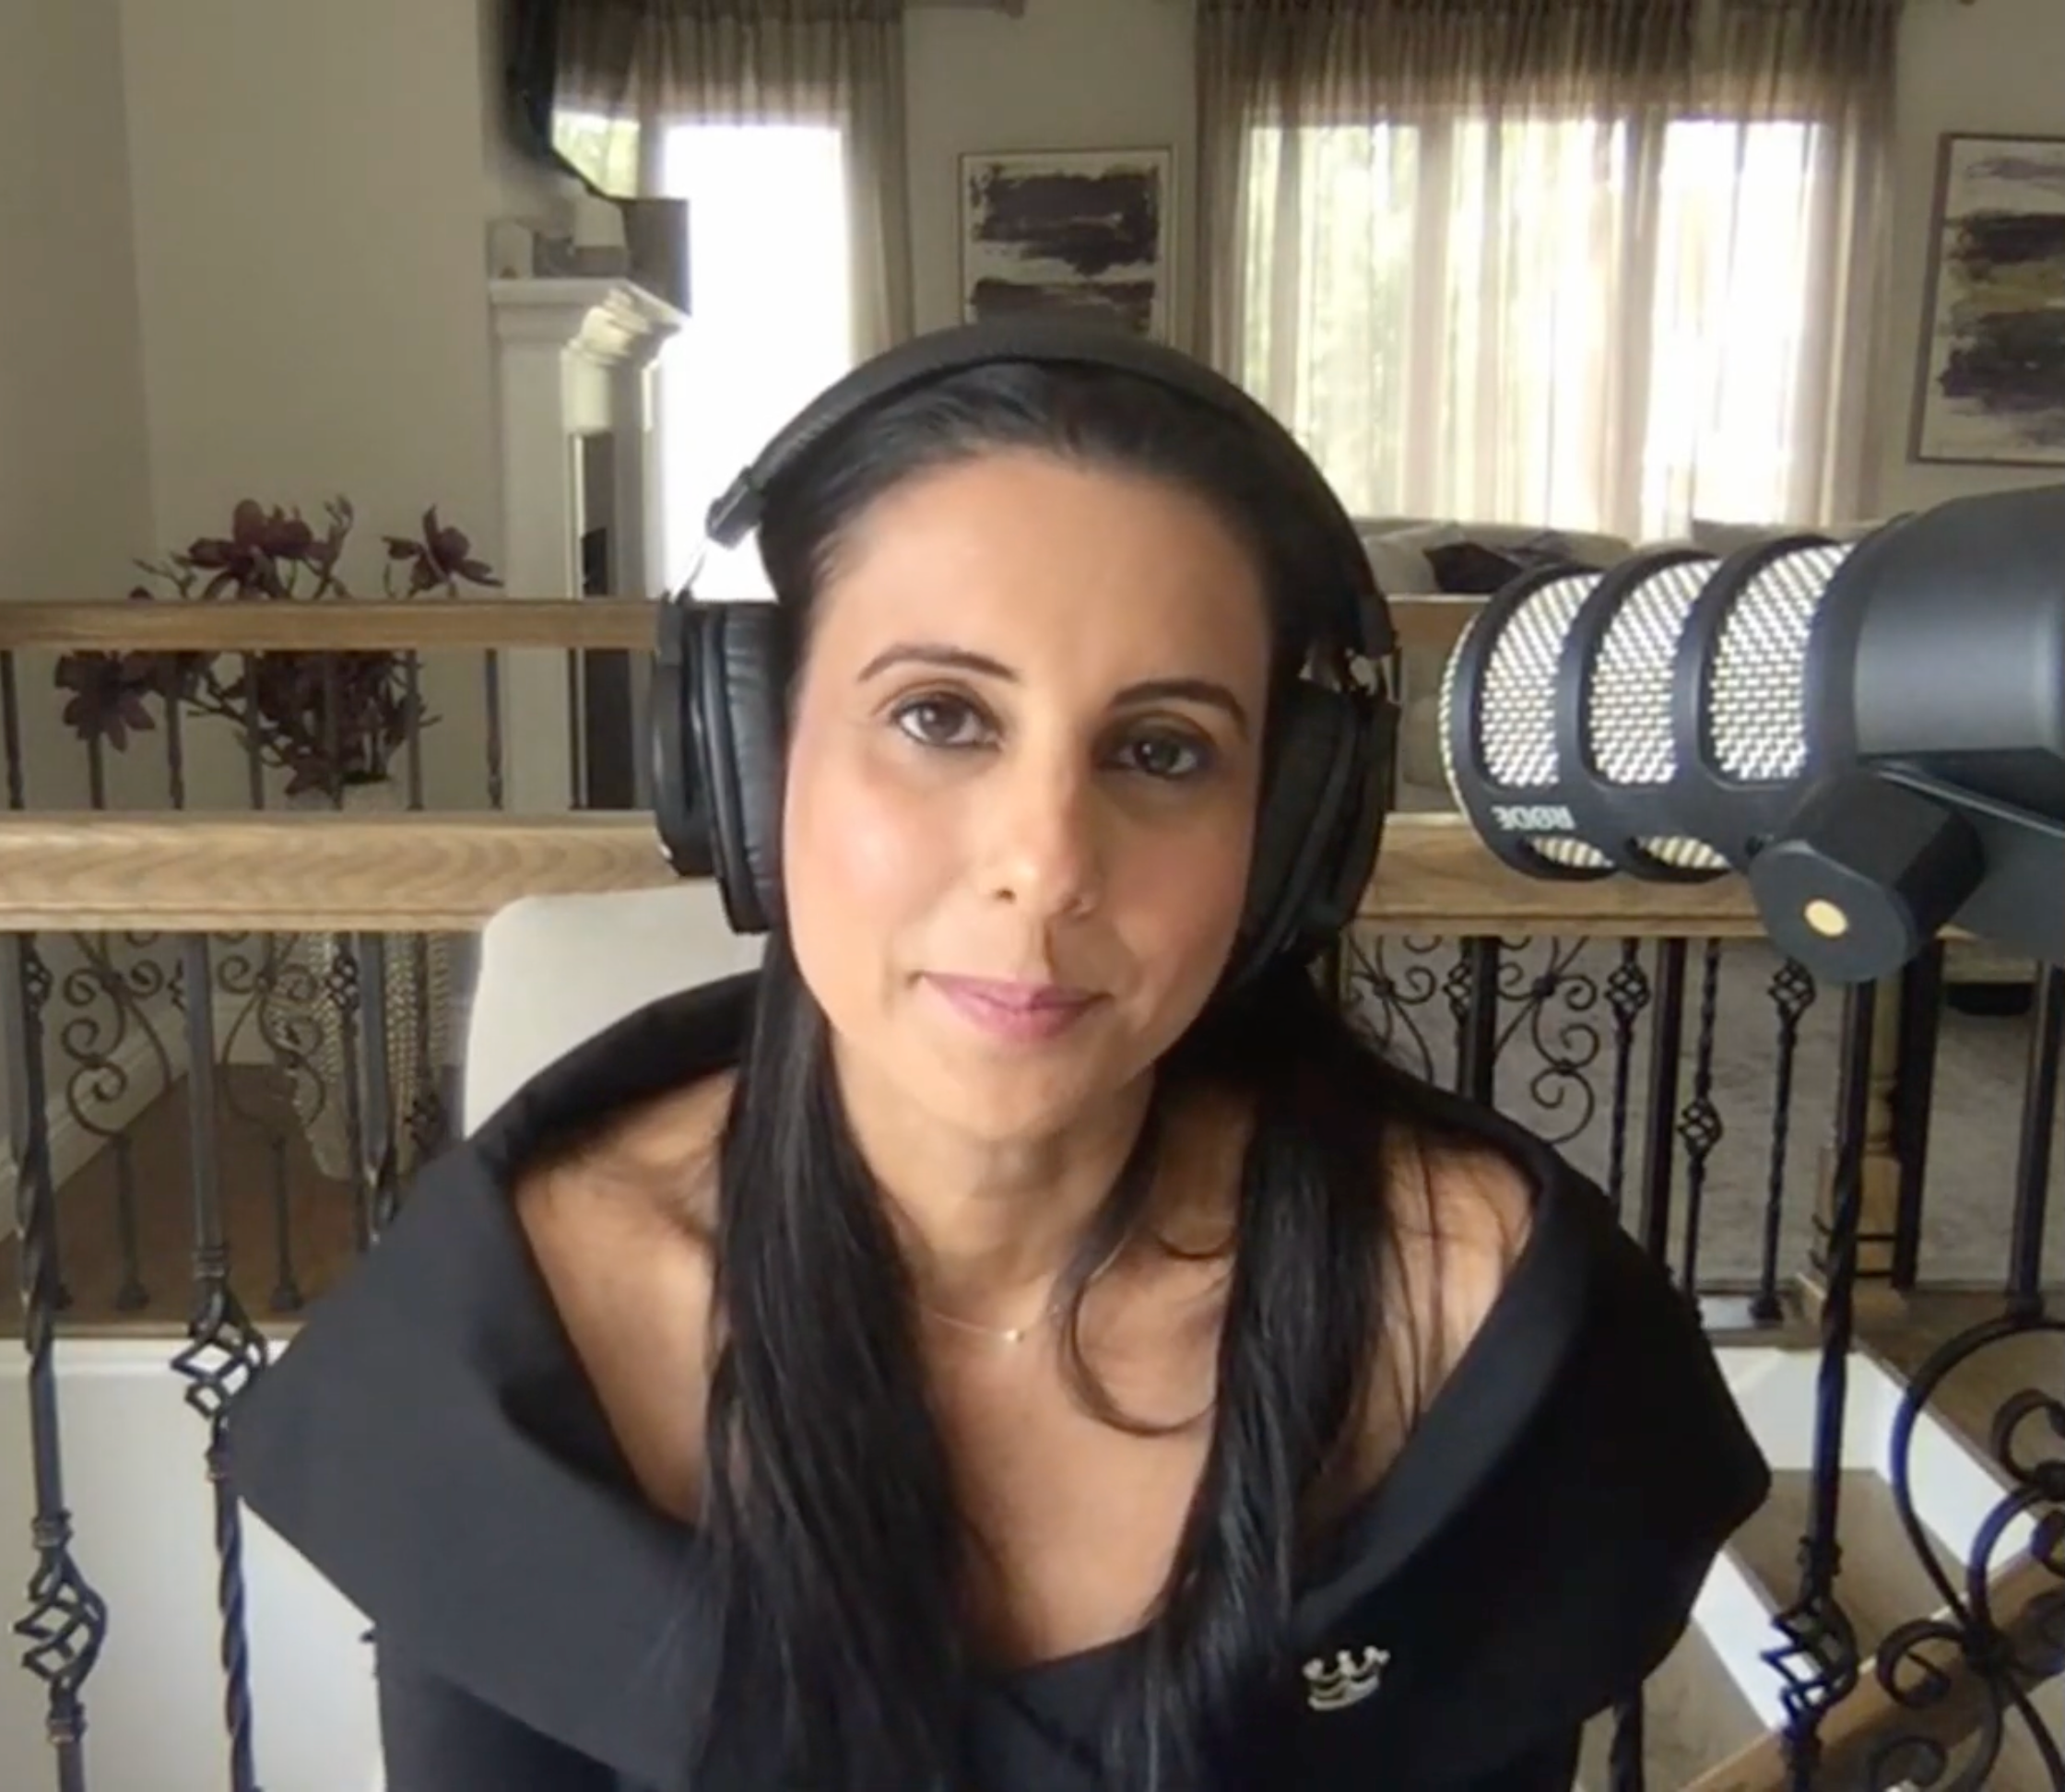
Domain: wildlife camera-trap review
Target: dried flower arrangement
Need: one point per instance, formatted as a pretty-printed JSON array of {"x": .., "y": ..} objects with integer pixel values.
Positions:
[{"x": 329, "y": 720}]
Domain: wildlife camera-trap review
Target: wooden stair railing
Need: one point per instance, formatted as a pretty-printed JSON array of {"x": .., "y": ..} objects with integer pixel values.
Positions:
[
  {"x": 437, "y": 624},
  {"x": 437, "y": 871}
]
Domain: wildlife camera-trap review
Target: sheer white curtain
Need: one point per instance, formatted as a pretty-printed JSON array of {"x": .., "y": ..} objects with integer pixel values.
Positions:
[
  {"x": 774, "y": 314},
  {"x": 1593, "y": 286},
  {"x": 781, "y": 124},
  {"x": 771, "y": 323}
]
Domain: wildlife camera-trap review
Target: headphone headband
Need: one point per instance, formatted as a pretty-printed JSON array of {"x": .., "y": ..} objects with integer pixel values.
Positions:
[{"x": 1363, "y": 621}]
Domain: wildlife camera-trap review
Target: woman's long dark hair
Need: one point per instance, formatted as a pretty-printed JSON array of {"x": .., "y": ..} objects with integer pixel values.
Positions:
[{"x": 838, "y": 1555}]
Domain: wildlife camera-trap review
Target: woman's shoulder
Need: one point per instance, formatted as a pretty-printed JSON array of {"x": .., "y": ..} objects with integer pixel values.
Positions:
[
  {"x": 1458, "y": 1214},
  {"x": 620, "y": 1225},
  {"x": 477, "y": 1314},
  {"x": 1463, "y": 1210}
]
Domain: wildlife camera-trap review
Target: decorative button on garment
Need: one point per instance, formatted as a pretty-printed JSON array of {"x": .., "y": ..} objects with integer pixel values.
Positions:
[{"x": 1349, "y": 1678}]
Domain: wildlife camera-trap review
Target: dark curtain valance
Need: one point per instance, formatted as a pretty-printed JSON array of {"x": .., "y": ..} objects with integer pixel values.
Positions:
[
  {"x": 1345, "y": 57},
  {"x": 621, "y": 56}
]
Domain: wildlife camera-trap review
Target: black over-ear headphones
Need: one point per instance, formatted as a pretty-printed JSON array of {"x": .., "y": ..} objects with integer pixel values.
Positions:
[{"x": 722, "y": 673}]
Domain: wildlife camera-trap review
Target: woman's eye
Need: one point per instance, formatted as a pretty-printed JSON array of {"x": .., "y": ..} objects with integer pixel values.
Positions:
[
  {"x": 940, "y": 722},
  {"x": 1167, "y": 756}
]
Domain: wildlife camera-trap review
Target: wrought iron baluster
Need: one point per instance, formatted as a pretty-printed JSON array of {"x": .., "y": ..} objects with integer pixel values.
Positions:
[
  {"x": 253, "y": 755},
  {"x": 223, "y": 1351},
  {"x": 412, "y": 702},
  {"x": 1666, "y": 1034},
  {"x": 97, "y": 1079},
  {"x": 175, "y": 748},
  {"x": 2039, "y": 1114},
  {"x": 1627, "y": 993},
  {"x": 426, "y": 1111},
  {"x": 332, "y": 727},
  {"x": 1914, "y": 1097},
  {"x": 1472, "y": 985},
  {"x": 1818, "y": 1658},
  {"x": 67, "y": 1620},
  {"x": 427, "y": 1118},
  {"x": 1699, "y": 1125},
  {"x": 576, "y": 733},
  {"x": 1792, "y": 994},
  {"x": 10, "y": 732},
  {"x": 381, "y": 1132},
  {"x": 493, "y": 695}
]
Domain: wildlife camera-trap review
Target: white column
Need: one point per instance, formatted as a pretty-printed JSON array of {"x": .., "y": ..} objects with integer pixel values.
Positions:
[{"x": 572, "y": 356}]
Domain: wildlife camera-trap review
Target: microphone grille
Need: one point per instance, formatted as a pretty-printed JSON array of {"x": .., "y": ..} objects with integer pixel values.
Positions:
[
  {"x": 1757, "y": 693},
  {"x": 1518, "y": 712},
  {"x": 1628, "y": 728},
  {"x": 1515, "y": 721}
]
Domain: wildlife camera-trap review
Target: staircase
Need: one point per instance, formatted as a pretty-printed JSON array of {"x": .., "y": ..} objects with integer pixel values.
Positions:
[{"x": 1717, "y": 1696}]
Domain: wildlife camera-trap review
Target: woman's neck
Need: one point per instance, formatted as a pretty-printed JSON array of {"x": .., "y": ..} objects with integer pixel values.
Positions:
[{"x": 986, "y": 1225}]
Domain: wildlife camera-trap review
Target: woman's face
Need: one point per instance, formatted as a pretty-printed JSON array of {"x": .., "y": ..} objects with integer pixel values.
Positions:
[{"x": 1022, "y": 786}]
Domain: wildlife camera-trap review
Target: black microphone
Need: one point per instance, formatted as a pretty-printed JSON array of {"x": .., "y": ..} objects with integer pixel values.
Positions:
[{"x": 1872, "y": 732}]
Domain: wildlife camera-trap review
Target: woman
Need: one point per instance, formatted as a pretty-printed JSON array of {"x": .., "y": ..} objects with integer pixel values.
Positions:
[{"x": 1009, "y": 1341}]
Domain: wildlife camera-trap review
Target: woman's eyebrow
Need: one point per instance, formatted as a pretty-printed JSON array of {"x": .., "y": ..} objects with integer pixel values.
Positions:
[
  {"x": 1208, "y": 691},
  {"x": 925, "y": 653}
]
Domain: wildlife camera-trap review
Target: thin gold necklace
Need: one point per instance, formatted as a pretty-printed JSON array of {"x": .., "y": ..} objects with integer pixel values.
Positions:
[{"x": 1019, "y": 1334}]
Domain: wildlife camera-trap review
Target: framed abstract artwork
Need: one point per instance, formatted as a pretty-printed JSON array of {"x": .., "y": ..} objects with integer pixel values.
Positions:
[
  {"x": 1991, "y": 384},
  {"x": 1068, "y": 230}
]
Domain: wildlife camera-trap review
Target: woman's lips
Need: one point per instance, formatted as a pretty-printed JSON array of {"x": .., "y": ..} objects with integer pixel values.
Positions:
[{"x": 1023, "y": 1013}]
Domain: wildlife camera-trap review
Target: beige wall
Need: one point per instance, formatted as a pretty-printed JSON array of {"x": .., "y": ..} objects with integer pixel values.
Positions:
[
  {"x": 74, "y": 459},
  {"x": 310, "y": 195},
  {"x": 312, "y": 266},
  {"x": 1067, "y": 75}
]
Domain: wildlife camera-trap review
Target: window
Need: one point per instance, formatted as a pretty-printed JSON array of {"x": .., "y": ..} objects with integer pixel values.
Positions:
[
  {"x": 770, "y": 301},
  {"x": 771, "y": 323},
  {"x": 1591, "y": 323}
]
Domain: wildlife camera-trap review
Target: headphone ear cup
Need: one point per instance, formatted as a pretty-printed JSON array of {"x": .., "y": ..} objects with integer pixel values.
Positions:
[
  {"x": 679, "y": 779},
  {"x": 717, "y": 693},
  {"x": 1364, "y": 802},
  {"x": 1298, "y": 827},
  {"x": 744, "y": 677}
]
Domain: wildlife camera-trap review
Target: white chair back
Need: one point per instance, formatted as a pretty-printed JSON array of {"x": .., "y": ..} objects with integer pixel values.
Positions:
[{"x": 557, "y": 969}]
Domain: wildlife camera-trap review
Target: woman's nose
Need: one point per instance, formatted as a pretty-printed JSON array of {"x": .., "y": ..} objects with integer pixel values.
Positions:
[{"x": 1042, "y": 831}]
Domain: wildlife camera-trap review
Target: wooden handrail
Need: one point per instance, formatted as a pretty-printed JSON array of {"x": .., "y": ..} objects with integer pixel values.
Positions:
[
  {"x": 1870, "y": 1715},
  {"x": 295, "y": 871},
  {"x": 364, "y": 624},
  {"x": 434, "y": 624}
]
